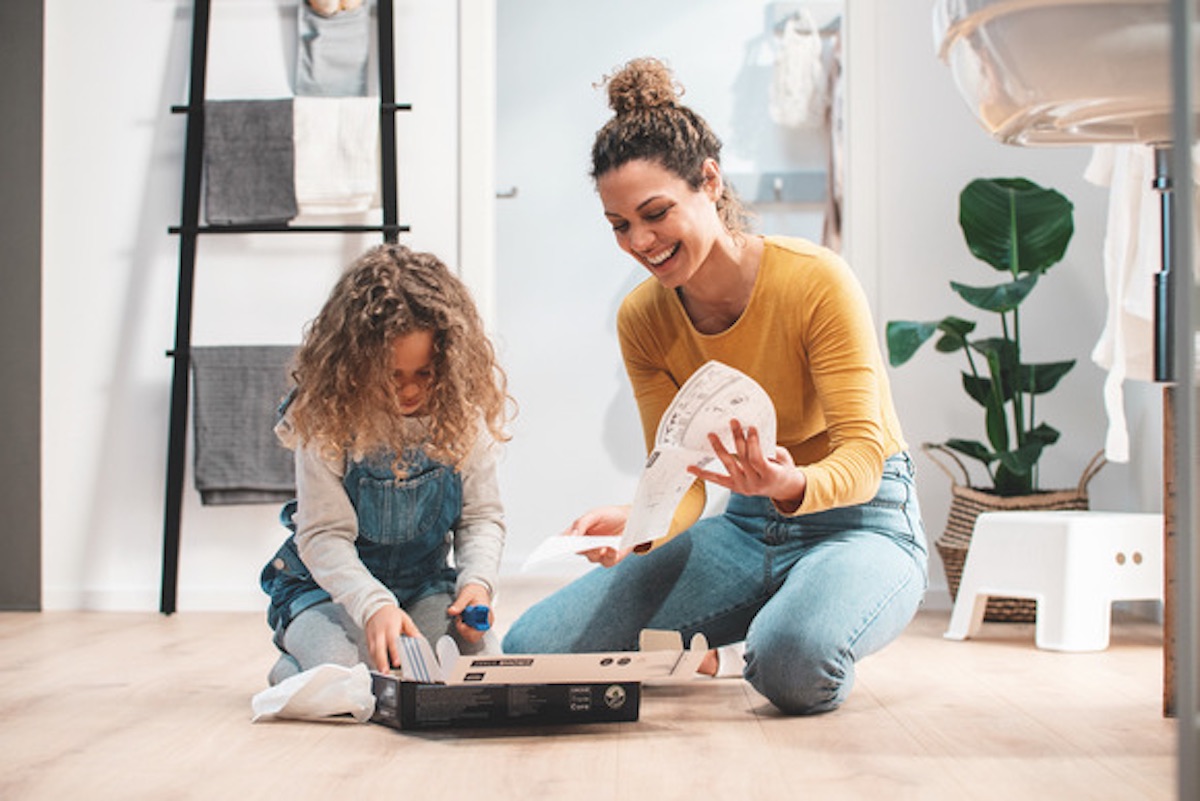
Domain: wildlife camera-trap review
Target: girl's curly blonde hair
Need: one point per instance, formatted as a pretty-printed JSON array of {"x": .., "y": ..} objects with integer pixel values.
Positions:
[{"x": 345, "y": 397}]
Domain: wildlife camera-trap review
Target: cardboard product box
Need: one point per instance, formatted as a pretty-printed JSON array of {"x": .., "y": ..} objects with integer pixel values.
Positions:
[
  {"x": 451, "y": 690},
  {"x": 412, "y": 705}
]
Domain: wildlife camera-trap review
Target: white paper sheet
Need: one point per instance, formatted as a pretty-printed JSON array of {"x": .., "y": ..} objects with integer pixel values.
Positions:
[
  {"x": 566, "y": 546},
  {"x": 715, "y": 395}
]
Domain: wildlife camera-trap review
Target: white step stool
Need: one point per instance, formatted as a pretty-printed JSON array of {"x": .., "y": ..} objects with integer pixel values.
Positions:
[{"x": 1073, "y": 563}]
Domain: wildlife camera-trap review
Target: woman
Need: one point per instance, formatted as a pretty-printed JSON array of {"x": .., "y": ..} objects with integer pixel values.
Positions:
[{"x": 819, "y": 558}]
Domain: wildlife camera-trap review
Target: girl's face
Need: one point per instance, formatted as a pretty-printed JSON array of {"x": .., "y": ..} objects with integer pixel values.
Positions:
[
  {"x": 660, "y": 220},
  {"x": 411, "y": 360}
]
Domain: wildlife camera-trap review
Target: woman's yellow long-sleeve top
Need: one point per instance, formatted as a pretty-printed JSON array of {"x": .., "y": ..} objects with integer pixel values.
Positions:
[{"x": 807, "y": 337}]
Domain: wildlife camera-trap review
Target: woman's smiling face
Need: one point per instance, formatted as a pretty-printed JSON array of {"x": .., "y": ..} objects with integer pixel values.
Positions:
[{"x": 660, "y": 220}]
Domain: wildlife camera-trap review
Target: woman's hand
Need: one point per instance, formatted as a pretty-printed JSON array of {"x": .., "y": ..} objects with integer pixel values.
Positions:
[
  {"x": 751, "y": 473},
  {"x": 602, "y": 521},
  {"x": 383, "y": 632},
  {"x": 470, "y": 595}
]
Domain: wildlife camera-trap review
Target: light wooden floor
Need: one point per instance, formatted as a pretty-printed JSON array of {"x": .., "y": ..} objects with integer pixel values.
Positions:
[{"x": 141, "y": 706}]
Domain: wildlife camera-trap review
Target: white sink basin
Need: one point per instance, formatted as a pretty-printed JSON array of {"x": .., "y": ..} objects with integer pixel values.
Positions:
[{"x": 1061, "y": 71}]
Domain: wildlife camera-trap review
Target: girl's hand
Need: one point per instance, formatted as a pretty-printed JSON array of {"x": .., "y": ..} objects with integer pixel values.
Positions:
[
  {"x": 602, "y": 521},
  {"x": 751, "y": 473},
  {"x": 383, "y": 632},
  {"x": 470, "y": 595}
]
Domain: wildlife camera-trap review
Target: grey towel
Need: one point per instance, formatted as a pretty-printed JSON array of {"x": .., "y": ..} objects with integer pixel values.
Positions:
[
  {"x": 331, "y": 56},
  {"x": 238, "y": 459},
  {"x": 249, "y": 162}
]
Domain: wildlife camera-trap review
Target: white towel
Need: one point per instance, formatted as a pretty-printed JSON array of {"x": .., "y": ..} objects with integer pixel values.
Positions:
[
  {"x": 1132, "y": 256},
  {"x": 337, "y": 154}
]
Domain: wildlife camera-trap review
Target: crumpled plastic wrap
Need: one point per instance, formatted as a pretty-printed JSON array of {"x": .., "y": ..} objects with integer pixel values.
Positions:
[{"x": 321, "y": 693}]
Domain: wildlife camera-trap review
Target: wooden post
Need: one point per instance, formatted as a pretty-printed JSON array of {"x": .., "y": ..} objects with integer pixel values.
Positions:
[{"x": 1169, "y": 534}]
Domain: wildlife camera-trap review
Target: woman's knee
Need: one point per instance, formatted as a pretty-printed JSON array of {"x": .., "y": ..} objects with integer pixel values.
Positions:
[
  {"x": 799, "y": 677},
  {"x": 520, "y": 639}
]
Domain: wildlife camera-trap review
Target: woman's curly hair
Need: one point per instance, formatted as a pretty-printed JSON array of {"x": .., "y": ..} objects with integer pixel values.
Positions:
[
  {"x": 346, "y": 399},
  {"x": 650, "y": 123}
]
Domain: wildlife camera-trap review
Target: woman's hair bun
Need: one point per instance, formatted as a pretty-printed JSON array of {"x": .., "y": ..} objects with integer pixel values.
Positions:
[{"x": 641, "y": 84}]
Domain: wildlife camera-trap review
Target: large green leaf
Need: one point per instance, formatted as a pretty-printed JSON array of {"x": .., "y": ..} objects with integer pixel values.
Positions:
[
  {"x": 1022, "y": 460},
  {"x": 1000, "y": 299},
  {"x": 1006, "y": 483},
  {"x": 905, "y": 337},
  {"x": 1037, "y": 379},
  {"x": 1047, "y": 435},
  {"x": 1001, "y": 355},
  {"x": 1015, "y": 225},
  {"x": 954, "y": 334},
  {"x": 969, "y": 447},
  {"x": 1005, "y": 350},
  {"x": 979, "y": 389},
  {"x": 994, "y": 415}
]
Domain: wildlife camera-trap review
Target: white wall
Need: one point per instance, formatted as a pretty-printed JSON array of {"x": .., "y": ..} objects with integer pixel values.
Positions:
[{"x": 112, "y": 184}]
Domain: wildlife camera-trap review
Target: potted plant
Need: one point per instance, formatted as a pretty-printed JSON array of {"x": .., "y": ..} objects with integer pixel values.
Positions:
[{"x": 1020, "y": 230}]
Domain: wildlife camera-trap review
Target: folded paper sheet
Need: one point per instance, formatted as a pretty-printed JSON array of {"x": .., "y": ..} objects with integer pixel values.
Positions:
[
  {"x": 714, "y": 395},
  {"x": 706, "y": 403}
]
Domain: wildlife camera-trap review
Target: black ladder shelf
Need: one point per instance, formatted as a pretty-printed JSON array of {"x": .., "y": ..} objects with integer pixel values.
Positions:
[{"x": 190, "y": 229}]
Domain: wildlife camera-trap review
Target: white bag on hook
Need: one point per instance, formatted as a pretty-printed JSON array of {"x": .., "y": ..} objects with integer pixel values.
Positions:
[{"x": 799, "y": 84}]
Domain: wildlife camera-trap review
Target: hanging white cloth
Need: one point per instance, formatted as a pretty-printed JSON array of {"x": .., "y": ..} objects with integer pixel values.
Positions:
[
  {"x": 337, "y": 154},
  {"x": 1132, "y": 256},
  {"x": 799, "y": 84}
]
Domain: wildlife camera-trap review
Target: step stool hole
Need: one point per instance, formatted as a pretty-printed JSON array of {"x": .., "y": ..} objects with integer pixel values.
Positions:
[{"x": 1120, "y": 558}]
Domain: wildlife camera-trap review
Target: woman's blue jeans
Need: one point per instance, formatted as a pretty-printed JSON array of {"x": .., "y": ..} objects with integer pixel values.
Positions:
[{"x": 810, "y": 595}]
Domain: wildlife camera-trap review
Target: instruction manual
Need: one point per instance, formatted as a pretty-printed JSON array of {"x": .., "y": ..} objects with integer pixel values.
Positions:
[{"x": 712, "y": 397}]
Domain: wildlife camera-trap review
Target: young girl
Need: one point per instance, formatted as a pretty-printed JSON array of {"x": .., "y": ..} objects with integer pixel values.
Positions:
[
  {"x": 820, "y": 557},
  {"x": 395, "y": 420}
]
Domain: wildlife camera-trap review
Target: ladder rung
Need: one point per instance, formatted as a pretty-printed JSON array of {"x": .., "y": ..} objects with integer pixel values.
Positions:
[{"x": 256, "y": 228}]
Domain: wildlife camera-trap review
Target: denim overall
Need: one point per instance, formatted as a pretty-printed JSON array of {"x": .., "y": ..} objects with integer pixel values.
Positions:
[{"x": 404, "y": 530}]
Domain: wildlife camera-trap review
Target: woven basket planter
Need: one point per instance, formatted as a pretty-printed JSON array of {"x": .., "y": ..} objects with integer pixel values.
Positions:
[{"x": 967, "y": 503}]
